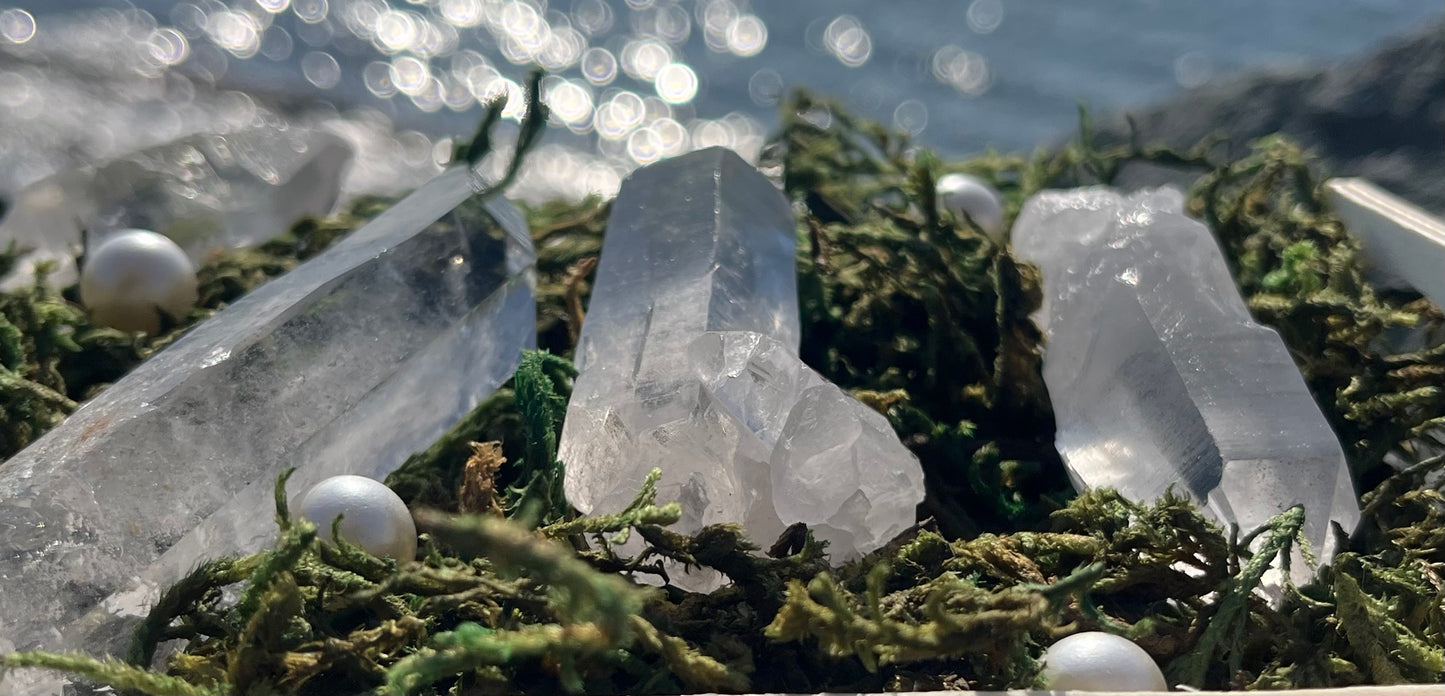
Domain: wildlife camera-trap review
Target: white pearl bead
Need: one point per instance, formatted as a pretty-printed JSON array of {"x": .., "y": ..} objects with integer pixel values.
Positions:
[
  {"x": 372, "y": 516},
  {"x": 133, "y": 276},
  {"x": 962, "y": 194},
  {"x": 1096, "y": 661}
]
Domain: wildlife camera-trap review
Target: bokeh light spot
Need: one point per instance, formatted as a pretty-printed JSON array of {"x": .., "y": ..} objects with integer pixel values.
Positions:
[
  {"x": 747, "y": 36},
  {"x": 321, "y": 69},
  {"x": 848, "y": 41},
  {"x": 676, "y": 83},
  {"x": 599, "y": 66},
  {"x": 984, "y": 16}
]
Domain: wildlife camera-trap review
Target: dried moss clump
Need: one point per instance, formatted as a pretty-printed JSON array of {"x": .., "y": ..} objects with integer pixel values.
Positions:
[{"x": 925, "y": 319}]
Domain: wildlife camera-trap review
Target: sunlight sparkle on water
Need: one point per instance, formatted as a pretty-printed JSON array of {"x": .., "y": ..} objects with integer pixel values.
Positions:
[
  {"x": 747, "y": 35},
  {"x": 676, "y": 83},
  {"x": 910, "y": 116},
  {"x": 622, "y": 113},
  {"x": 643, "y": 58},
  {"x": 16, "y": 25},
  {"x": 409, "y": 74},
  {"x": 593, "y": 16},
  {"x": 984, "y": 16},
  {"x": 625, "y": 75},
  {"x": 563, "y": 49},
  {"x": 963, "y": 70},
  {"x": 310, "y": 11},
  {"x": 669, "y": 23},
  {"x": 848, "y": 41},
  {"x": 570, "y": 102},
  {"x": 599, "y": 66},
  {"x": 462, "y": 13},
  {"x": 276, "y": 43},
  {"x": 237, "y": 32},
  {"x": 643, "y": 146},
  {"x": 670, "y": 136},
  {"x": 396, "y": 31},
  {"x": 321, "y": 69},
  {"x": 716, "y": 17},
  {"x": 168, "y": 46},
  {"x": 377, "y": 77}
]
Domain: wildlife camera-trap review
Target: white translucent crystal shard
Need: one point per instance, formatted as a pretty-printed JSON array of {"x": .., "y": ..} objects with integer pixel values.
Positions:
[
  {"x": 1159, "y": 376},
  {"x": 688, "y": 362},
  {"x": 348, "y": 364},
  {"x": 1404, "y": 245},
  {"x": 206, "y": 192}
]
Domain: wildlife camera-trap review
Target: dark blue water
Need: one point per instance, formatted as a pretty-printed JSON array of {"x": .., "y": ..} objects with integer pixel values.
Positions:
[{"x": 1040, "y": 56}]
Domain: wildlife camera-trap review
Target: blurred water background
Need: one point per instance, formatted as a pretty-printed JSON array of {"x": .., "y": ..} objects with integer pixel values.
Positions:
[{"x": 630, "y": 81}]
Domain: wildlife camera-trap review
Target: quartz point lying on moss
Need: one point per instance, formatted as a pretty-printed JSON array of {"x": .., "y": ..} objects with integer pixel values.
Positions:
[
  {"x": 205, "y": 191},
  {"x": 347, "y": 364},
  {"x": 1158, "y": 374},
  {"x": 688, "y": 363}
]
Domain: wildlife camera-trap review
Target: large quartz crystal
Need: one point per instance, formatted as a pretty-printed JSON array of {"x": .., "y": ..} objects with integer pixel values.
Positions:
[
  {"x": 689, "y": 364},
  {"x": 206, "y": 192},
  {"x": 1159, "y": 376},
  {"x": 348, "y": 364}
]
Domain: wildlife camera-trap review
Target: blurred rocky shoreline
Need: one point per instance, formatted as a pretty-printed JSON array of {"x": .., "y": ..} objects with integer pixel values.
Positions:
[{"x": 1380, "y": 115}]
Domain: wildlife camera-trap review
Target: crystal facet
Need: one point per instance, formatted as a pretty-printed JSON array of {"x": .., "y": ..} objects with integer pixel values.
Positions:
[
  {"x": 348, "y": 364},
  {"x": 1159, "y": 376},
  {"x": 689, "y": 364},
  {"x": 206, "y": 192}
]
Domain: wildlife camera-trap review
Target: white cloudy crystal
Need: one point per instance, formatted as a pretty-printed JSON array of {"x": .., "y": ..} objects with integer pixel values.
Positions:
[
  {"x": 346, "y": 365},
  {"x": 205, "y": 192},
  {"x": 1159, "y": 376},
  {"x": 689, "y": 364}
]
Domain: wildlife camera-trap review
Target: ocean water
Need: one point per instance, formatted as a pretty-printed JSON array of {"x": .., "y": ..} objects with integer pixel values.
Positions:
[{"x": 633, "y": 80}]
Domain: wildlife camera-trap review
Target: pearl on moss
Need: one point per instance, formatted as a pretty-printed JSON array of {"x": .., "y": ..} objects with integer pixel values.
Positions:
[
  {"x": 962, "y": 194},
  {"x": 133, "y": 277},
  {"x": 1096, "y": 661},
  {"x": 372, "y": 516}
]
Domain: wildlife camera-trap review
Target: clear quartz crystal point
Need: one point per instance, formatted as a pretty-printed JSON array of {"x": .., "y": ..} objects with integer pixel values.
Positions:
[
  {"x": 206, "y": 192},
  {"x": 347, "y": 364},
  {"x": 688, "y": 362},
  {"x": 1158, "y": 374}
]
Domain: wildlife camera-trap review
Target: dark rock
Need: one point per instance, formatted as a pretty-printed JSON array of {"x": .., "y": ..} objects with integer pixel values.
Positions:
[{"x": 1380, "y": 116}]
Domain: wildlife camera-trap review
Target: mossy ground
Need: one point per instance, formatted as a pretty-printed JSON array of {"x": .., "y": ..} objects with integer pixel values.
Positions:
[{"x": 925, "y": 319}]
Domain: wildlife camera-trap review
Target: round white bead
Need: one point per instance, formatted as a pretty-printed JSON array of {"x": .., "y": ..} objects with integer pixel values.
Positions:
[
  {"x": 372, "y": 516},
  {"x": 1096, "y": 661},
  {"x": 133, "y": 276},
  {"x": 962, "y": 194}
]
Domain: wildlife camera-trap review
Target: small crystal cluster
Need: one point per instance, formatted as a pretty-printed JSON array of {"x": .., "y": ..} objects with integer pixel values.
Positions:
[{"x": 688, "y": 362}]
